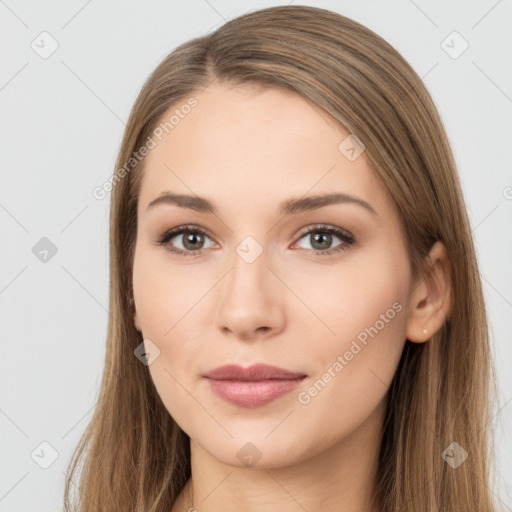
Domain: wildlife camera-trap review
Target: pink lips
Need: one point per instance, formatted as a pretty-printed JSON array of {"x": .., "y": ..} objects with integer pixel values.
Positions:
[{"x": 254, "y": 386}]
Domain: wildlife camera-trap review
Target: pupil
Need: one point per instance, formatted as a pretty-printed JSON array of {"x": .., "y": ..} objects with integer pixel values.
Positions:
[{"x": 327, "y": 238}]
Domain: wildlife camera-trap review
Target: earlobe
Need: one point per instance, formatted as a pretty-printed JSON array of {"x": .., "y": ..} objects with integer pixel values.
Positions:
[{"x": 431, "y": 300}]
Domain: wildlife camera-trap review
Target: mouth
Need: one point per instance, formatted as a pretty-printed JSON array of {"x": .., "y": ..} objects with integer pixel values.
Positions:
[{"x": 254, "y": 386}]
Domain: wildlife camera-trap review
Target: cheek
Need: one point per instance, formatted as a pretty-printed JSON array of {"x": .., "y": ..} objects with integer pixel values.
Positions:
[
  {"x": 362, "y": 298},
  {"x": 353, "y": 366},
  {"x": 170, "y": 308},
  {"x": 164, "y": 294},
  {"x": 363, "y": 332}
]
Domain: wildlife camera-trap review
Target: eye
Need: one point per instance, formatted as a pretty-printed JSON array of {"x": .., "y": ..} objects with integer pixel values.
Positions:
[
  {"x": 192, "y": 243},
  {"x": 190, "y": 240},
  {"x": 321, "y": 238}
]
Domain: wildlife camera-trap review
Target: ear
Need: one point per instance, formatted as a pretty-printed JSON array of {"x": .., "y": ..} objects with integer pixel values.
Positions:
[{"x": 431, "y": 299}]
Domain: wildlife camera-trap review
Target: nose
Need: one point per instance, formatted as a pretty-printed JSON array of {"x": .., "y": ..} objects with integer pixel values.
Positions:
[{"x": 250, "y": 305}]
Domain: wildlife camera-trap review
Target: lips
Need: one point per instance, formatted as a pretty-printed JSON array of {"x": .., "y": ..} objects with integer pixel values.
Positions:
[
  {"x": 254, "y": 386},
  {"x": 254, "y": 372}
]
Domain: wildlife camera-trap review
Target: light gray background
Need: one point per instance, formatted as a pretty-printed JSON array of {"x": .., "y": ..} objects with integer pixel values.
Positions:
[{"x": 62, "y": 120}]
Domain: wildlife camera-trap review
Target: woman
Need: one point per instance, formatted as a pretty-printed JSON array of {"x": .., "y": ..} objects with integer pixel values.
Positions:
[{"x": 297, "y": 318}]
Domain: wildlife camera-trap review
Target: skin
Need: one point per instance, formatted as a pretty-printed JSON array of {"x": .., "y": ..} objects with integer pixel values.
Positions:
[{"x": 246, "y": 150}]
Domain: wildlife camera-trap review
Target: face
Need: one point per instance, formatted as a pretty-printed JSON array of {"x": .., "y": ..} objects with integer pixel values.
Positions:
[{"x": 321, "y": 292}]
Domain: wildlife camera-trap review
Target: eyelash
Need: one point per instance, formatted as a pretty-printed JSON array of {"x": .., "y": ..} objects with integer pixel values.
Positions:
[{"x": 344, "y": 236}]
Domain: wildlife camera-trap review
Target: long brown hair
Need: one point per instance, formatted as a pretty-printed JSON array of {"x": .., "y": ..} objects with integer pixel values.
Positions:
[{"x": 134, "y": 456}]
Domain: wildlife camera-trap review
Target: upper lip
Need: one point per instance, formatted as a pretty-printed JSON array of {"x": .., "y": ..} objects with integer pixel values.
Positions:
[{"x": 254, "y": 372}]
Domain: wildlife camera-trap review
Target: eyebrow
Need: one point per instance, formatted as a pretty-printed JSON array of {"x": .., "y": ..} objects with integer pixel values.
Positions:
[{"x": 289, "y": 207}]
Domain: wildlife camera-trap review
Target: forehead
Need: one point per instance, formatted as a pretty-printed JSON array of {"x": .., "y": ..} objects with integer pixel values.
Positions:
[{"x": 246, "y": 142}]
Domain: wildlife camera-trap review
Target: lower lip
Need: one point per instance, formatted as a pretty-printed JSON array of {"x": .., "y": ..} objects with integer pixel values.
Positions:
[{"x": 253, "y": 393}]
